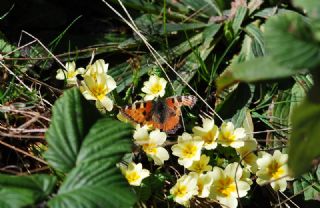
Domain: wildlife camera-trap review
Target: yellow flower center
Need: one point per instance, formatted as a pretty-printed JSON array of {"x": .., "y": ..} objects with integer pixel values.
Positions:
[
  {"x": 275, "y": 170},
  {"x": 226, "y": 186},
  {"x": 200, "y": 186},
  {"x": 199, "y": 166},
  {"x": 249, "y": 158},
  {"x": 71, "y": 74},
  {"x": 99, "y": 91},
  {"x": 208, "y": 137},
  {"x": 132, "y": 176},
  {"x": 180, "y": 191},
  {"x": 150, "y": 148},
  {"x": 189, "y": 150},
  {"x": 156, "y": 88},
  {"x": 229, "y": 136}
]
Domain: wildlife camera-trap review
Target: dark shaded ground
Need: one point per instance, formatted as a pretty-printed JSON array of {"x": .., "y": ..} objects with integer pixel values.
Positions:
[{"x": 47, "y": 19}]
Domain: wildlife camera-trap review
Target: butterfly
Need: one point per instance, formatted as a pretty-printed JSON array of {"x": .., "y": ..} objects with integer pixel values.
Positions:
[{"x": 163, "y": 114}]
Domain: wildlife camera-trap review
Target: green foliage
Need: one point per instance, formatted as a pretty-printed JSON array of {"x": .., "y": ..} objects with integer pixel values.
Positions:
[
  {"x": 71, "y": 121},
  {"x": 273, "y": 50},
  {"x": 304, "y": 141},
  {"x": 290, "y": 41},
  {"x": 312, "y": 7},
  {"x": 84, "y": 147},
  {"x": 309, "y": 184},
  {"x": 292, "y": 47},
  {"x": 22, "y": 191}
]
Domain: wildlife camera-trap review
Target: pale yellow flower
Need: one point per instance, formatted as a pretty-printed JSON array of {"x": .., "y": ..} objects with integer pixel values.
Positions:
[
  {"x": 154, "y": 87},
  {"x": 204, "y": 184},
  {"x": 134, "y": 173},
  {"x": 274, "y": 169},
  {"x": 98, "y": 67},
  {"x": 69, "y": 74},
  {"x": 201, "y": 165},
  {"x": 151, "y": 143},
  {"x": 98, "y": 88},
  {"x": 225, "y": 183},
  {"x": 208, "y": 132},
  {"x": 229, "y": 136},
  {"x": 185, "y": 188},
  {"x": 249, "y": 158},
  {"x": 188, "y": 149},
  {"x": 246, "y": 176}
]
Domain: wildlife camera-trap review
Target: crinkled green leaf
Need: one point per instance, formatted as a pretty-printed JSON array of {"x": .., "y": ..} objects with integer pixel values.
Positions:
[
  {"x": 290, "y": 41},
  {"x": 88, "y": 154},
  {"x": 304, "y": 141},
  {"x": 72, "y": 118},
  {"x": 22, "y": 191},
  {"x": 96, "y": 181}
]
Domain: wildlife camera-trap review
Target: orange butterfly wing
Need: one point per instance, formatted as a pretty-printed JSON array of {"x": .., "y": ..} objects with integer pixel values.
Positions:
[
  {"x": 172, "y": 122},
  {"x": 140, "y": 112}
]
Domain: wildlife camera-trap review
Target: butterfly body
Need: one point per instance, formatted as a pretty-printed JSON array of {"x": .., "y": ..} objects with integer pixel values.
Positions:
[{"x": 162, "y": 114}]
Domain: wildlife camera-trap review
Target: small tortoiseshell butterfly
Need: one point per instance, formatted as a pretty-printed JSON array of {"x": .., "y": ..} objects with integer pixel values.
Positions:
[{"x": 162, "y": 114}]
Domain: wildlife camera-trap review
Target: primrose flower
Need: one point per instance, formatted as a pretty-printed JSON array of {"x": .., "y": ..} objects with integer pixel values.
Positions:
[
  {"x": 185, "y": 188},
  {"x": 151, "y": 143},
  {"x": 98, "y": 67},
  {"x": 134, "y": 173},
  {"x": 188, "y": 149},
  {"x": 208, "y": 132},
  {"x": 70, "y": 74},
  {"x": 274, "y": 169},
  {"x": 154, "y": 87},
  {"x": 204, "y": 184},
  {"x": 231, "y": 137},
  {"x": 246, "y": 176},
  {"x": 97, "y": 89},
  {"x": 201, "y": 165},
  {"x": 225, "y": 183},
  {"x": 249, "y": 158}
]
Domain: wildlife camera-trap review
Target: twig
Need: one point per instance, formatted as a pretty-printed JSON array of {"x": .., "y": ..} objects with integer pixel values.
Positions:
[{"x": 23, "y": 152}]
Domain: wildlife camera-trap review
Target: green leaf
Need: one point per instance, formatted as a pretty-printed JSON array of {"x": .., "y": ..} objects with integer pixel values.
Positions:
[
  {"x": 72, "y": 118},
  {"x": 236, "y": 103},
  {"x": 311, "y": 6},
  {"x": 96, "y": 181},
  {"x": 304, "y": 141},
  {"x": 238, "y": 19},
  {"x": 22, "y": 191},
  {"x": 262, "y": 68},
  {"x": 88, "y": 149},
  {"x": 257, "y": 46},
  {"x": 290, "y": 41},
  {"x": 309, "y": 185},
  {"x": 6, "y": 47}
]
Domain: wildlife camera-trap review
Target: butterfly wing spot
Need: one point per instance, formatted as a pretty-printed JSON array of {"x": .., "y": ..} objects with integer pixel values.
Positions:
[{"x": 137, "y": 112}]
